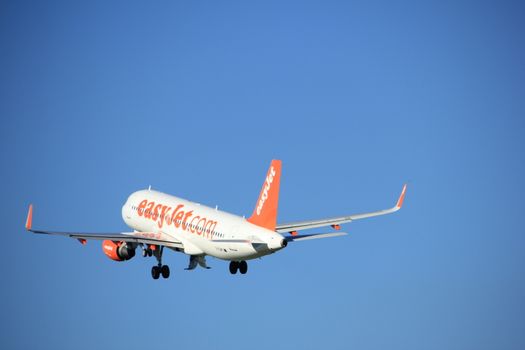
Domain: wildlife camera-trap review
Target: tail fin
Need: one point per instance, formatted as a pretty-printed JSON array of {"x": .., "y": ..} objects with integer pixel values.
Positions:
[{"x": 265, "y": 212}]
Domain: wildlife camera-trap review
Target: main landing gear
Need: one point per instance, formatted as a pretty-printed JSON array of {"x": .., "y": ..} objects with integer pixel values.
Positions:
[
  {"x": 159, "y": 269},
  {"x": 147, "y": 252},
  {"x": 241, "y": 266}
]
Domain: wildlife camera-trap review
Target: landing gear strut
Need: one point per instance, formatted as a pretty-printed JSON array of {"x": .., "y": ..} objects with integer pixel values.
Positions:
[
  {"x": 241, "y": 266},
  {"x": 160, "y": 269}
]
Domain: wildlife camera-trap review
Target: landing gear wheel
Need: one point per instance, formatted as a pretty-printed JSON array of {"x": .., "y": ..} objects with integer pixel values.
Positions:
[
  {"x": 165, "y": 271},
  {"x": 159, "y": 269},
  {"x": 243, "y": 267},
  {"x": 155, "y": 272},
  {"x": 234, "y": 265}
]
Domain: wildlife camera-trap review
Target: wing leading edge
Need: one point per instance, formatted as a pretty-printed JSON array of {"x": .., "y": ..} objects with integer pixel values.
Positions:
[{"x": 335, "y": 222}]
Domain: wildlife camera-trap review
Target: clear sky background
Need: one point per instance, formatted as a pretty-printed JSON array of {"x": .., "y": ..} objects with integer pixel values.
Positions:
[{"x": 98, "y": 100}]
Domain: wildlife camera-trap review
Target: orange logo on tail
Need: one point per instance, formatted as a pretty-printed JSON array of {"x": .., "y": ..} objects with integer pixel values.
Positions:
[
  {"x": 264, "y": 195},
  {"x": 265, "y": 212}
]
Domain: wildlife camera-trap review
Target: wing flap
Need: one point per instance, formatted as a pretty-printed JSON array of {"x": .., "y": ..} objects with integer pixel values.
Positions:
[{"x": 136, "y": 237}]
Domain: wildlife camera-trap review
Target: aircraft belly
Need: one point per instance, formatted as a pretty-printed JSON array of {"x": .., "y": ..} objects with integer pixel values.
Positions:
[{"x": 234, "y": 251}]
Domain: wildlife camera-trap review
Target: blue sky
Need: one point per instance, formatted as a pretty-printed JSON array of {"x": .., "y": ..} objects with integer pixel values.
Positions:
[{"x": 98, "y": 100}]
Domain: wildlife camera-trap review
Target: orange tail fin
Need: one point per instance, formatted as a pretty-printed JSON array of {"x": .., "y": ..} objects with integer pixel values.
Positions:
[{"x": 265, "y": 212}]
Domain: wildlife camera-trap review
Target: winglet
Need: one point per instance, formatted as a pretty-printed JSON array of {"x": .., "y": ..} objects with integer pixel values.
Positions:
[
  {"x": 29, "y": 220},
  {"x": 401, "y": 197}
]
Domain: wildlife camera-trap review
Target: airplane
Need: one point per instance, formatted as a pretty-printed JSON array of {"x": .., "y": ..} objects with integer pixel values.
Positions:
[{"x": 160, "y": 221}]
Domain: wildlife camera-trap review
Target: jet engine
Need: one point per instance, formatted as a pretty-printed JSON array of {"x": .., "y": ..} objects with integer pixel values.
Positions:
[{"x": 118, "y": 251}]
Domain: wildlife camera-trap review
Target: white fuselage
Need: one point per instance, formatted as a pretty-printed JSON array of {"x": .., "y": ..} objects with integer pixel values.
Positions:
[{"x": 201, "y": 230}]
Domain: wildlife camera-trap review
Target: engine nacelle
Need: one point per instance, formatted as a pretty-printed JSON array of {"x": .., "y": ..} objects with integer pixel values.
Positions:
[{"x": 118, "y": 251}]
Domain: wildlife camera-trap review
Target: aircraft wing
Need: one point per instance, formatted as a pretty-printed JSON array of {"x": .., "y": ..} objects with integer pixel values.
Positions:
[
  {"x": 293, "y": 227},
  {"x": 156, "y": 238}
]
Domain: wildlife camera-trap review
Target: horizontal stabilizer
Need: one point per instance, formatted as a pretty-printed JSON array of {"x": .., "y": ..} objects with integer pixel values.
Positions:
[{"x": 314, "y": 236}]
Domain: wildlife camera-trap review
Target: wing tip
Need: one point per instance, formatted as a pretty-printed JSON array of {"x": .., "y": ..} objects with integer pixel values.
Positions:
[
  {"x": 29, "y": 220},
  {"x": 401, "y": 198}
]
